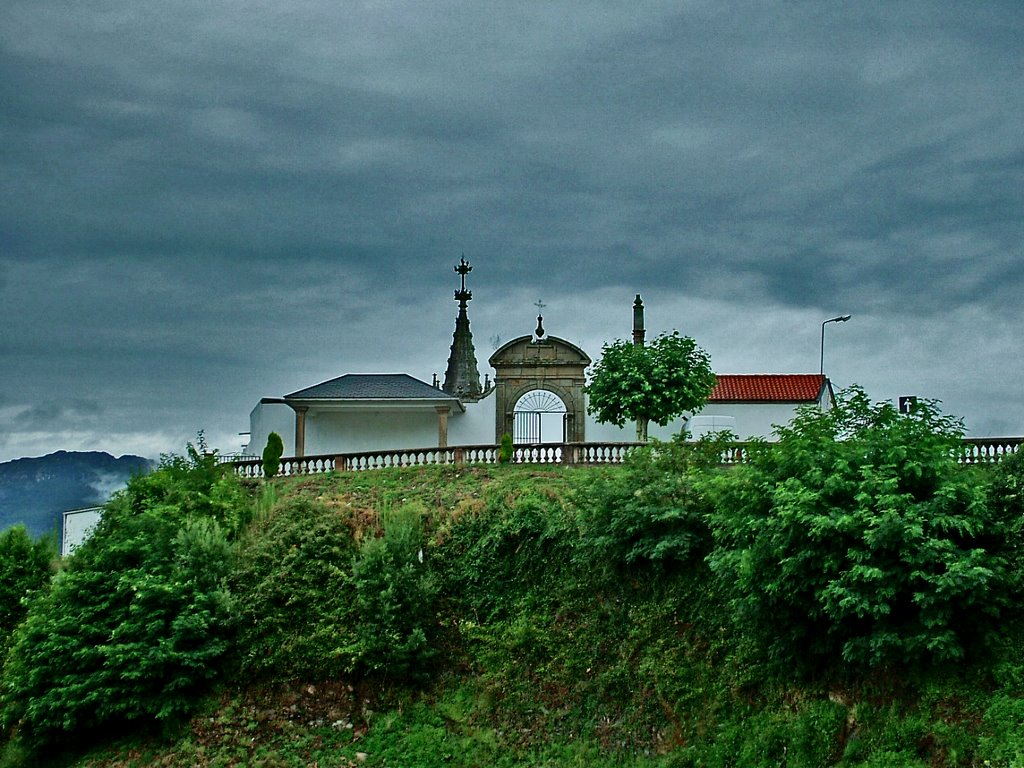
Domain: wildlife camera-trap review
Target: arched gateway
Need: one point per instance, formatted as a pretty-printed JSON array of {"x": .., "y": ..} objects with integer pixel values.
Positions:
[
  {"x": 539, "y": 418},
  {"x": 550, "y": 364}
]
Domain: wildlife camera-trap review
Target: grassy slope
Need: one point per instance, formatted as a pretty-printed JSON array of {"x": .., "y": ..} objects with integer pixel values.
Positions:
[{"x": 546, "y": 662}]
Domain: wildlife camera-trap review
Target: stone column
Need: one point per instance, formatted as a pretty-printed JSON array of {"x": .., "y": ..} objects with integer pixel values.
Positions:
[
  {"x": 300, "y": 430},
  {"x": 638, "y": 339},
  {"x": 442, "y": 425},
  {"x": 638, "y": 321},
  {"x": 572, "y": 428}
]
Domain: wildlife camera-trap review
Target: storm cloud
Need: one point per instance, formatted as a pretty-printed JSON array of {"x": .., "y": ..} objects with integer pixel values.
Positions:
[{"x": 203, "y": 204}]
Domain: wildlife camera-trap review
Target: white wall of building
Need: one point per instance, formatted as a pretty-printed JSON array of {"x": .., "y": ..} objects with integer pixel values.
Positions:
[
  {"x": 753, "y": 419},
  {"x": 701, "y": 425},
  {"x": 354, "y": 430},
  {"x": 475, "y": 426},
  {"x": 350, "y": 431},
  {"x": 271, "y": 417},
  {"x": 747, "y": 420},
  {"x": 77, "y": 526}
]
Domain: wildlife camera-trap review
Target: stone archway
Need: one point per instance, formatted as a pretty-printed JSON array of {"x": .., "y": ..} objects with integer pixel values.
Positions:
[{"x": 550, "y": 364}]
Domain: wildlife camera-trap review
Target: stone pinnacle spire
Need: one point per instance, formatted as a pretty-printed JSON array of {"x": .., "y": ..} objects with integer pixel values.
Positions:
[
  {"x": 462, "y": 378},
  {"x": 638, "y": 321}
]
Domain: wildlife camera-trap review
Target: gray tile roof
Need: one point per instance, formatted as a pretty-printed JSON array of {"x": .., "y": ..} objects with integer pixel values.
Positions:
[{"x": 371, "y": 386}]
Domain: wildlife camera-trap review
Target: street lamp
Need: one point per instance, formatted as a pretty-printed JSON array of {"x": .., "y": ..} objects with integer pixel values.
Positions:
[{"x": 840, "y": 319}]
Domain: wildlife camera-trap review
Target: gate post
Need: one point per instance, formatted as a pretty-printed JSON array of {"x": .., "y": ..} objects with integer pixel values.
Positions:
[{"x": 568, "y": 453}]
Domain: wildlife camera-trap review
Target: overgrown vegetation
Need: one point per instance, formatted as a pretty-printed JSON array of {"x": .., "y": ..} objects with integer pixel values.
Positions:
[
  {"x": 292, "y": 586},
  {"x": 139, "y": 623},
  {"x": 859, "y": 537},
  {"x": 26, "y": 567},
  {"x": 395, "y": 593},
  {"x": 850, "y": 598}
]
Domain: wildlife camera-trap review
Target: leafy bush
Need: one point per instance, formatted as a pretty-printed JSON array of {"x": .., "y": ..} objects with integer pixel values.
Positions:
[
  {"x": 1002, "y": 741},
  {"x": 654, "y": 511},
  {"x": 272, "y": 454},
  {"x": 804, "y": 736},
  {"x": 139, "y": 622},
  {"x": 1007, "y": 497},
  {"x": 505, "y": 450},
  {"x": 196, "y": 485},
  {"x": 294, "y": 594},
  {"x": 395, "y": 596},
  {"x": 858, "y": 536},
  {"x": 25, "y": 569},
  {"x": 496, "y": 556}
]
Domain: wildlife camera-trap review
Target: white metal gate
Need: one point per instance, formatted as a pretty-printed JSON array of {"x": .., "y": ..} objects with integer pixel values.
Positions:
[{"x": 539, "y": 418}]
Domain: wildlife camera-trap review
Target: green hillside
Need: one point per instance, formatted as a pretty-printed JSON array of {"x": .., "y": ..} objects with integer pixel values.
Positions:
[{"x": 850, "y": 602}]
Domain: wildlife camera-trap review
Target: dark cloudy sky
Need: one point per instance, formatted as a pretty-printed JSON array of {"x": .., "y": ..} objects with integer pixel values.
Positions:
[{"x": 205, "y": 203}]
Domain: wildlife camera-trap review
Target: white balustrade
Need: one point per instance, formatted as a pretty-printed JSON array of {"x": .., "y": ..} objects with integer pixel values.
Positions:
[{"x": 973, "y": 451}]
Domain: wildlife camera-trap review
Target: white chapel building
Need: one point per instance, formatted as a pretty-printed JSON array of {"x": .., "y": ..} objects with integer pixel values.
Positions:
[{"x": 536, "y": 395}]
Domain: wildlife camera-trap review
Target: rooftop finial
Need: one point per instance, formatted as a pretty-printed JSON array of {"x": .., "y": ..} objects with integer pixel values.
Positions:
[
  {"x": 638, "y": 321},
  {"x": 540, "y": 319},
  {"x": 462, "y": 377},
  {"x": 463, "y": 268}
]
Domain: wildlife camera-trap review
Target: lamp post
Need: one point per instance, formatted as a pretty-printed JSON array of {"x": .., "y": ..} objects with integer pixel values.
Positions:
[{"x": 840, "y": 319}]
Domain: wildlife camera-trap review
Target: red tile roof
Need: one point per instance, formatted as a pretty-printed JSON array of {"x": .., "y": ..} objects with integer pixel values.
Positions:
[{"x": 767, "y": 388}]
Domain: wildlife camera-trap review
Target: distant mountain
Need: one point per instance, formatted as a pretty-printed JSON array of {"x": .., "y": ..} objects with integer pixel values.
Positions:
[{"x": 36, "y": 491}]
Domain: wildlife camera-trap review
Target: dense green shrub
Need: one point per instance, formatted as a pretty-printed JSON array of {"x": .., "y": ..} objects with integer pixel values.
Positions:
[
  {"x": 804, "y": 735},
  {"x": 292, "y": 583},
  {"x": 1008, "y": 485},
  {"x": 1007, "y": 499},
  {"x": 505, "y": 449},
  {"x": 195, "y": 485},
  {"x": 25, "y": 568},
  {"x": 139, "y": 622},
  {"x": 858, "y": 536},
  {"x": 272, "y": 454},
  {"x": 654, "y": 509},
  {"x": 1002, "y": 740},
  {"x": 395, "y": 596},
  {"x": 496, "y": 556}
]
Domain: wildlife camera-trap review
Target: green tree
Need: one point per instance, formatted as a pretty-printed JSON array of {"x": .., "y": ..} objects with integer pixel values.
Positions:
[
  {"x": 657, "y": 382},
  {"x": 25, "y": 568},
  {"x": 506, "y": 449},
  {"x": 859, "y": 537},
  {"x": 140, "y": 621},
  {"x": 272, "y": 454}
]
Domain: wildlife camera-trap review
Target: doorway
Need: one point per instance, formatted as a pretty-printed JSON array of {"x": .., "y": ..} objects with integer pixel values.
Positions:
[{"x": 539, "y": 417}]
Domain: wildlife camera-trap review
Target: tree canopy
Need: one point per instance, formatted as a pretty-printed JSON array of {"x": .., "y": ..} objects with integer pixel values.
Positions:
[{"x": 654, "y": 382}]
